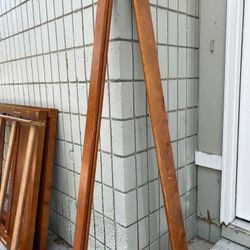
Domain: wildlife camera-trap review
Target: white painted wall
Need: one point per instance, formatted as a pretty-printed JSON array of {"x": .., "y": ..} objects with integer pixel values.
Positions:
[{"x": 46, "y": 49}]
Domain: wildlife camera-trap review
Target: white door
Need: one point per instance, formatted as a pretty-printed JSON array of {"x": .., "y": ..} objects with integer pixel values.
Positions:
[{"x": 243, "y": 178}]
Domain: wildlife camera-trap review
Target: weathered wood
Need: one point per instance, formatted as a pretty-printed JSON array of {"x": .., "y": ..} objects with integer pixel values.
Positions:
[
  {"x": 7, "y": 167},
  {"x": 160, "y": 125},
  {"x": 23, "y": 188},
  {"x": 92, "y": 130}
]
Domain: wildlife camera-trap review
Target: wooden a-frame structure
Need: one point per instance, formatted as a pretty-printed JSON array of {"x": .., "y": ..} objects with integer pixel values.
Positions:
[{"x": 158, "y": 120}]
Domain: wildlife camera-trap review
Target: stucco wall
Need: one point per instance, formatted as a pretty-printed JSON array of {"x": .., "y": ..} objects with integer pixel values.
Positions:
[{"x": 46, "y": 49}]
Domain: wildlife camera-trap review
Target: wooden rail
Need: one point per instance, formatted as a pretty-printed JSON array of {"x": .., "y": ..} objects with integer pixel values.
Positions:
[
  {"x": 23, "y": 188},
  {"x": 23, "y": 121},
  {"x": 2, "y": 135},
  {"x": 92, "y": 130},
  {"x": 7, "y": 166},
  {"x": 159, "y": 123}
]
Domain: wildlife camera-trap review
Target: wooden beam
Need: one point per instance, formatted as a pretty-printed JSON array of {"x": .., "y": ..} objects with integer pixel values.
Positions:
[
  {"x": 23, "y": 188},
  {"x": 7, "y": 166},
  {"x": 160, "y": 125},
  {"x": 92, "y": 129}
]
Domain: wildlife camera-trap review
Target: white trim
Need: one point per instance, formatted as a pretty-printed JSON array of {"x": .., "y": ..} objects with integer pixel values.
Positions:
[
  {"x": 208, "y": 160},
  {"x": 231, "y": 107},
  {"x": 243, "y": 173}
]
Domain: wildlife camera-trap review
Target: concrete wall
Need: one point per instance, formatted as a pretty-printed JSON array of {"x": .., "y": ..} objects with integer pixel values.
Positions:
[
  {"x": 46, "y": 49},
  {"x": 210, "y": 122}
]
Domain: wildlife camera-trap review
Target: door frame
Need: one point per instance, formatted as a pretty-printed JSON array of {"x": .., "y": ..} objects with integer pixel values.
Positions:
[{"x": 235, "y": 14}]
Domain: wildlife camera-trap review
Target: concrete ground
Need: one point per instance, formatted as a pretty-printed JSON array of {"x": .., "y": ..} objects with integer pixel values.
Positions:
[
  {"x": 55, "y": 243},
  {"x": 199, "y": 244},
  {"x": 224, "y": 244},
  {"x": 196, "y": 244}
]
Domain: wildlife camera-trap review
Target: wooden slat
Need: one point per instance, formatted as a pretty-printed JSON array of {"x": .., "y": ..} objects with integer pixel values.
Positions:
[
  {"x": 26, "y": 112},
  {"x": 17, "y": 172},
  {"x": 7, "y": 166},
  {"x": 30, "y": 212},
  {"x": 11, "y": 182},
  {"x": 160, "y": 125},
  {"x": 23, "y": 188},
  {"x": 92, "y": 130},
  {"x": 2, "y": 135},
  {"x": 42, "y": 218},
  {"x": 22, "y": 121}
]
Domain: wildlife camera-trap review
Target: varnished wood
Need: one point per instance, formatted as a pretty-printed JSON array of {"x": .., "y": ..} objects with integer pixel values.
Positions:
[
  {"x": 23, "y": 187},
  {"x": 92, "y": 129},
  {"x": 42, "y": 218},
  {"x": 36, "y": 213},
  {"x": 30, "y": 212},
  {"x": 11, "y": 182},
  {"x": 31, "y": 199},
  {"x": 158, "y": 120},
  {"x": 160, "y": 125},
  {"x": 25, "y": 112},
  {"x": 37, "y": 114},
  {"x": 7, "y": 167},
  {"x": 2, "y": 135},
  {"x": 22, "y": 121}
]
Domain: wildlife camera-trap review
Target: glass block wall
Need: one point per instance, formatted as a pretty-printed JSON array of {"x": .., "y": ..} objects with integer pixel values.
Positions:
[{"x": 45, "y": 58}]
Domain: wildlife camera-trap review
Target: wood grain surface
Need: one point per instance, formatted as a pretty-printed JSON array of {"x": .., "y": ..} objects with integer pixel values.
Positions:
[
  {"x": 92, "y": 129},
  {"x": 159, "y": 124}
]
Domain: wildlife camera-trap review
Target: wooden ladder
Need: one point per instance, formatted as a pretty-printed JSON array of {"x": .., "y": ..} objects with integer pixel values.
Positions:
[{"x": 158, "y": 120}]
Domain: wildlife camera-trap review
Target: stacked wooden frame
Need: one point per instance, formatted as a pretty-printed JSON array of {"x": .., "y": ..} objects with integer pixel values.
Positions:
[
  {"x": 27, "y": 173},
  {"x": 158, "y": 120}
]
